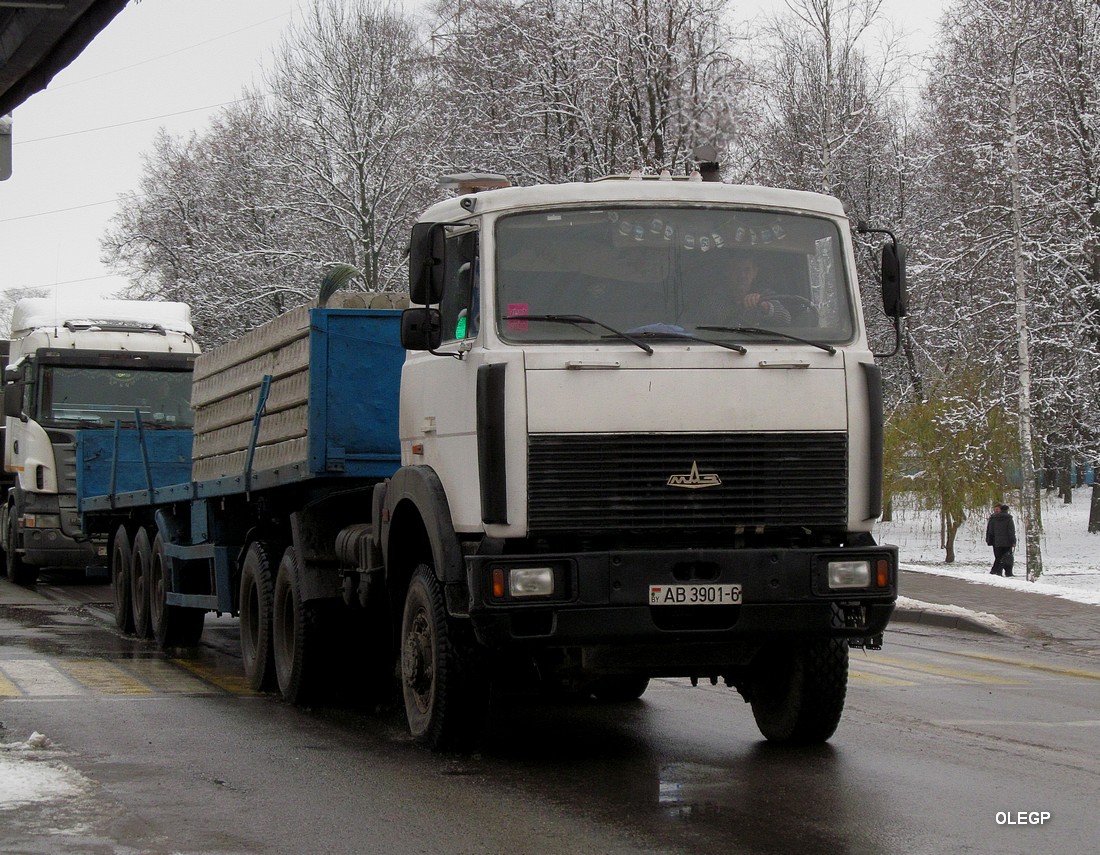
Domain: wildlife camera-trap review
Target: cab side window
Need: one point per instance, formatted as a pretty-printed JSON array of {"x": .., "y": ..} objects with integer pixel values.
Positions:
[{"x": 459, "y": 307}]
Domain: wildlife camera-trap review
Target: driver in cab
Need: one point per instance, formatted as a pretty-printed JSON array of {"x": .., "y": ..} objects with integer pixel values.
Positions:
[
  {"x": 753, "y": 304},
  {"x": 735, "y": 297}
]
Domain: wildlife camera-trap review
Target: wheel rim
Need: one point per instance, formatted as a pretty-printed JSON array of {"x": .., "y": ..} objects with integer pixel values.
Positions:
[{"x": 418, "y": 662}]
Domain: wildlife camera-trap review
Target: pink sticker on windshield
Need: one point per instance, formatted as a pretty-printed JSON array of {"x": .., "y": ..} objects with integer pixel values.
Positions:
[{"x": 517, "y": 310}]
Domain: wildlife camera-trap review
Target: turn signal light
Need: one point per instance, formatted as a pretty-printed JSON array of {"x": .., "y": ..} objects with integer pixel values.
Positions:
[
  {"x": 498, "y": 583},
  {"x": 882, "y": 573}
]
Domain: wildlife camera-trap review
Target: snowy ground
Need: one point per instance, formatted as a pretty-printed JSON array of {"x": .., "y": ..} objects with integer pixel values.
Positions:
[{"x": 1071, "y": 556}]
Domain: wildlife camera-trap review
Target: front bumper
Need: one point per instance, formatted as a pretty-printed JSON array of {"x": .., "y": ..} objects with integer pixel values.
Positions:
[{"x": 600, "y": 600}]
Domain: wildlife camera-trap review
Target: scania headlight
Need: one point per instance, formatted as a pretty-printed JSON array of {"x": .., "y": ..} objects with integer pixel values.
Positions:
[{"x": 849, "y": 574}]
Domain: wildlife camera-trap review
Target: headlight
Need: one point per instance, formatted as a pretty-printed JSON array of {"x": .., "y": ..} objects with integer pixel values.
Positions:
[
  {"x": 531, "y": 581},
  {"x": 849, "y": 574}
]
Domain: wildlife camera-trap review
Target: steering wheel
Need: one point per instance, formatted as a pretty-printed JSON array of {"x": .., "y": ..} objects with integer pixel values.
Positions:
[{"x": 798, "y": 304}]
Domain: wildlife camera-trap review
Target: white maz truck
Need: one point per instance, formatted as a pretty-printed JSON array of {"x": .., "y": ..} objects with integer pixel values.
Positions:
[
  {"x": 628, "y": 429},
  {"x": 641, "y": 436},
  {"x": 72, "y": 365}
]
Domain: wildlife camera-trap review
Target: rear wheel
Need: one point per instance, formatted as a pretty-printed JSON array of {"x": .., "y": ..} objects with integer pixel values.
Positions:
[
  {"x": 295, "y": 634},
  {"x": 442, "y": 697},
  {"x": 798, "y": 692},
  {"x": 173, "y": 626},
  {"x": 120, "y": 579},
  {"x": 141, "y": 559},
  {"x": 257, "y": 598}
]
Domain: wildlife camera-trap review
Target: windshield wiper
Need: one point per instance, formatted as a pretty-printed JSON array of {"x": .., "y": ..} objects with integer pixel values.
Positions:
[
  {"x": 759, "y": 331},
  {"x": 670, "y": 333},
  {"x": 578, "y": 320}
]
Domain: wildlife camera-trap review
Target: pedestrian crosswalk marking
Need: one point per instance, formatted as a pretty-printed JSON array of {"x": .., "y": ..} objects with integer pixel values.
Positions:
[
  {"x": 869, "y": 679},
  {"x": 235, "y": 684},
  {"x": 1032, "y": 666},
  {"x": 27, "y": 678},
  {"x": 38, "y": 678},
  {"x": 8, "y": 689},
  {"x": 164, "y": 676},
  {"x": 953, "y": 674},
  {"x": 104, "y": 677}
]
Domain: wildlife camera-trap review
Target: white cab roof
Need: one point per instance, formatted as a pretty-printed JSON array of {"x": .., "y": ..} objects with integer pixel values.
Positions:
[
  {"x": 632, "y": 192},
  {"x": 38, "y": 312}
]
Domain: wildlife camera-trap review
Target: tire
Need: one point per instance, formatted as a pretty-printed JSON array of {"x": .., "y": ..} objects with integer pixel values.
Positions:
[
  {"x": 296, "y": 636},
  {"x": 120, "y": 579},
  {"x": 443, "y": 699},
  {"x": 172, "y": 626},
  {"x": 18, "y": 572},
  {"x": 620, "y": 688},
  {"x": 256, "y": 605},
  {"x": 798, "y": 693},
  {"x": 141, "y": 560}
]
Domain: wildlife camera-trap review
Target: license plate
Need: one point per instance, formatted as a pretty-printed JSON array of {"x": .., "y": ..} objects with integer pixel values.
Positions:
[{"x": 694, "y": 595}]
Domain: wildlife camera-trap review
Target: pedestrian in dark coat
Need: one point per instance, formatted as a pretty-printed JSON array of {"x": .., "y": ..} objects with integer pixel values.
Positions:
[{"x": 1000, "y": 533}]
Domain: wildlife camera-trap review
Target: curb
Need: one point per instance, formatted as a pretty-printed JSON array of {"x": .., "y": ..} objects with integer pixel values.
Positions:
[{"x": 928, "y": 617}]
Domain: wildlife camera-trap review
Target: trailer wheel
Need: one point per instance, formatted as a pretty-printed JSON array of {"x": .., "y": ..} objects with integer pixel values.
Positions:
[
  {"x": 120, "y": 579},
  {"x": 257, "y": 598},
  {"x": 141, "y": 558},
  {"x": 295, "y": 634},
  {"x": 18, "y": 572},
  {"x": 173, "y": 626},
  {"x": 797, "y": 693},
  {"x": 442, "y": 696},
  {"x": 620, "y": 687}
]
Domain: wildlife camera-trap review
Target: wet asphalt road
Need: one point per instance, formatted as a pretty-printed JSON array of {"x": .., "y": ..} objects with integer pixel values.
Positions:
[{"x": 946, "y": 738}]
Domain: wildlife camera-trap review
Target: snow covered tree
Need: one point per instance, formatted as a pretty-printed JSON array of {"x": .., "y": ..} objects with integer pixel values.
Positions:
[
  {"x": 553, "y": 90},
  {"x": 243, "y": 220}
]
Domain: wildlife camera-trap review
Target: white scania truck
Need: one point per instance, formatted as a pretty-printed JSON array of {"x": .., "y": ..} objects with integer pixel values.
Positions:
[{"x": 72, "y": 365}]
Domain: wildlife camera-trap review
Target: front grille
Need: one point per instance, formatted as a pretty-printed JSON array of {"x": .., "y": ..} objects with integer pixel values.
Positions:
[{"x": 606, "y": 482}]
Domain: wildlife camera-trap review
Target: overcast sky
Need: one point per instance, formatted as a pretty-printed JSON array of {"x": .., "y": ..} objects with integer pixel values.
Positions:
[{"x": 160, "y": 63}]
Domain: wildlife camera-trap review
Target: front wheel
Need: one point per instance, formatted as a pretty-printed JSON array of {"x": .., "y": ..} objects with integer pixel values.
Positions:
[
  {"x": 798, "y": 692},
  {"x": 18, "y": 572},
  {"x": 619, "y": 688},
  {"x": 442, "y": 699}
]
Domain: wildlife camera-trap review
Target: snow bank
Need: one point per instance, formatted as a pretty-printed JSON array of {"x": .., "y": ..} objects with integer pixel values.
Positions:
[
  {"x": 1071, "y": 556},
  {"x": 27, "y": 774}
]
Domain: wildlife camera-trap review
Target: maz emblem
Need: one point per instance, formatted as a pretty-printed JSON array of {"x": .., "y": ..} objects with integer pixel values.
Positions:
[{"x": 693, "y": 480}]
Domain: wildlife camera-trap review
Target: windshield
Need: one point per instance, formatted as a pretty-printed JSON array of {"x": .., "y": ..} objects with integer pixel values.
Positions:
[
  {"x": 99, "y": 396},
  {"x": 662, "y": 272}
]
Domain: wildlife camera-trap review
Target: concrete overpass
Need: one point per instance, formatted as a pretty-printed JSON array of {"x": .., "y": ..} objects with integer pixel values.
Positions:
[{"x": 38, "y": 38}]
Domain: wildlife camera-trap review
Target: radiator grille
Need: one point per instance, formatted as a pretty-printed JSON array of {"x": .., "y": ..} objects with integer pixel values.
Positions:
[{"x": 603, "y": 482}]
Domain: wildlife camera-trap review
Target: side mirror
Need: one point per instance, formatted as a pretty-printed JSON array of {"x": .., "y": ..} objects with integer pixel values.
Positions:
[
  {"x": 895, "y": 299},
  {"x": 421, "y": 329},
  {"x": 426, "y": 263},
  {"x": 13, "y": 399}
]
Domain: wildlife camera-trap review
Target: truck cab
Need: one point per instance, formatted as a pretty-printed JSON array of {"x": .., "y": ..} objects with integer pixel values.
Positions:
[
  {"x": 81, "y": 366},
  {"x": 644, "y": 422}
]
